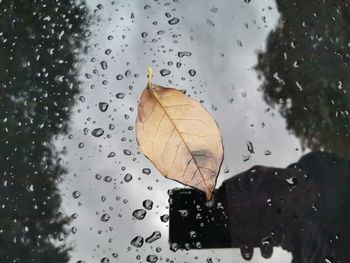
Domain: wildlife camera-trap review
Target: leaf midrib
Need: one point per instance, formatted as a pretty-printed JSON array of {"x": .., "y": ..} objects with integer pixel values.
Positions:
[{"x": 152, "y": 92}]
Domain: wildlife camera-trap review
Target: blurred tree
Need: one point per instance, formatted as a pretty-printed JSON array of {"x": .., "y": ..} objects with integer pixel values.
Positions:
[
  {"x": 306, "y": 72},
  {"x": 39, "y": 44}
]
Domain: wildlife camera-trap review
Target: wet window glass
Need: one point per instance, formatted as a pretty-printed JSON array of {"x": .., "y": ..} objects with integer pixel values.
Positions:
[{"x": 77, "y": 187}]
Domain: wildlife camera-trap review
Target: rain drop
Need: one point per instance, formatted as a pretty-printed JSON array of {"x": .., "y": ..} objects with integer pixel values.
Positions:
[
  {"x": 146, "y": 171},
  {"x": 120, "y": 95},
  {"x": 247, "y": 252},
  {"x": 76, "y": 194},
  {"x": 174, "y": 247},
  {"x": 184, "y": 54},
  {"x": 137, "y": 241},
  {"x": 147, "y": 204},
  {"x": 111, "y": 154},
  {"x": 103, "y": 106},
  {"x": 165, "y": 72},
  {"x": 192, "y": 72},
  {"x": 152, "y": 258},
  {"x": 174, "y": 21},
  {"x": 250, "y": 147},
  {"x": 127, "y": 177},
  {"x": 105, "y": 217},
  {"x": 164, "y": 218},
  {"x": 82, "y": 98},
  {"x": 127, "y": 152},
  {"x": 155, "y": 236},
  {"x": 98, "y": 132},
  {"x": 103, "y": 64},
  {"x": 139, "y": 214},
  {"x": 108, "y": 179}
]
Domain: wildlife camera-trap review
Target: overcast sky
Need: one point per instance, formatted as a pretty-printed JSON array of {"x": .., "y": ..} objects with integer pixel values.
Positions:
[{"x": 224, "y": 39}]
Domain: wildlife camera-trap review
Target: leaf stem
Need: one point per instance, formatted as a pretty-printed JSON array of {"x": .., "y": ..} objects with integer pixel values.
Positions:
[{"x": 150, "y": 75}]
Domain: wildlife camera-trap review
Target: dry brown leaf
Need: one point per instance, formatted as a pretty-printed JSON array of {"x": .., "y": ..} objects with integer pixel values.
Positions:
[{"x": 179, "y": 136}]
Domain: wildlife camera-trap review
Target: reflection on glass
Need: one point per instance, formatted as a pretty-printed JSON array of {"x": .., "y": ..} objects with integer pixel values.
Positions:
[
  {"x": 306, "y": 72},
  {"x": 304, "y": 208},
  {"x": 39, "y": 43}
]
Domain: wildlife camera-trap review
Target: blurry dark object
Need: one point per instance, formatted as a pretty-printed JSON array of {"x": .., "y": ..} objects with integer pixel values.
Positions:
[
  {"x": 304, "y": 208},
  {"x": 306, "y": 73},
  {"x": 39, "y": 46}
]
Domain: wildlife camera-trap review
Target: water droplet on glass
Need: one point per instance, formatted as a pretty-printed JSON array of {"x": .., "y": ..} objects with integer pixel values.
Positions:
[
  {"x": 184, "y": 53},
  {"x": 164, "y": 218},
  {"x": 127, "y": 177},
  {"x": 103, "y": 64},
  {"x": 144, "y": 34},
  {"x": 147, "y": 204},
  {"x": 250, "y": 147},
  {"x": 137, "y": 241},
  {"x": 153, "y": 237},
  {"x": 108, "y": 179},
  {"x": 193, "y": 234},
  {"x": 82, "y": 98},
  {"x": 146, "y": 171},
  {"x": 108, "y": 51},
  {"x": 152, "y": 258},
  {"x": 127, "y": 73},
  {"x": 210, "y": 23},
  {"x": 267, "y": 152},
  {"x": 98, "y": 132},
  {"x": 127, "y": 152},
  {"x": 183, "y": 212},
  {"x": 104, "y": 260},
  {"x": 139, "y": 214},
  {"x": 111, "y": 154},
  {"x": 174, "y": 247},
  {"x": 86, "y": 131},
  {"x": 246, "y": 158},
  {"x": 198, "y": 245},
  {"x": 105, "y": 217},
  {"x": 174, "y": 21},
  {"x": 103, "y": 106},
  {"x": 247, "y": 252},
  {"x": 192, "y": 72},
  {"x": 98, "y": 176},
  {"x": 76, "y": 194},
  {"x": 165, "y": 72},
  {"x": 119, "y": 77},
  {"x": 247, "y": 1},
  {"x": 120, "y": 95},
  {"x": 266, "y": 249}
]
